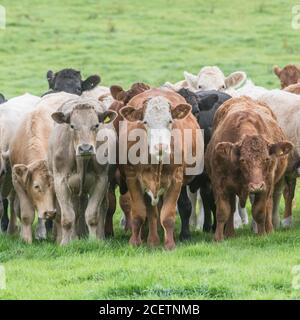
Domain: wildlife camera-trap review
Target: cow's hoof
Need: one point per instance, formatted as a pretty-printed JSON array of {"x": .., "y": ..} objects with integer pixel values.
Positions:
[
  {"x": 254, "y": 227},
  {"x": 184, "y": 237},
  {"x": 287, "y": 222},
  {"x": 170, "y": 246},
  {"x": 135, "y": 242},
  {"x": 152, "y": 243}
]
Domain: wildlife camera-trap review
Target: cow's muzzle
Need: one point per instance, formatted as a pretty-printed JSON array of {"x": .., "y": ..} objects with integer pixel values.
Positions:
[
  {"x": 256, "y": 187},
  {"x": 85, "y": 150}
]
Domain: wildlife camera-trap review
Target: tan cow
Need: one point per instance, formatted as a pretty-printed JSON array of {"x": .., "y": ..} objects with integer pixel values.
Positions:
[
  {"x": 28, "y": 153},
  {"x": 155, "y": 185},
  {"x": 77, "y": 173},
  {"x": 247, "y": 154}
]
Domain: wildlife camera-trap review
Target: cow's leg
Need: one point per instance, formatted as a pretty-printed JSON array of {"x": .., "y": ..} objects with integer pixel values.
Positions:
[
  {"x": 168, "y": 213},
  {"x": 223, "y": 213},
  {"x": 289, "y": 193},
  {"x": 109, "y": 230},
  {"x": 243, "y": 214},
  {"x": 185, "y": 210},
  {"x": 102, "y": 218},
  {"x": 68, "y": 217},
  {"x": 125, "y": 205},
  {"x": 14, "y": 205},
  {"x": 230, "y": 225},
  {"x": 41, "y": 232},
  {"x": 27, "y": 218},
  {"x": 57, "y": 228},
  {"x": 193, "y": 199},
  {"x": 269, "y": 207},
  {"x": 259, "y": 212},
  {"x": 153, "y": 238},
  {"x": 97, "y": 195},
  {"x": 200, "y": 218},
  {"x": 237, "y": 219},
  {"x": 205, "y": 193},
  {"x": 4, "y": 217},
  {"x": 138, "y": 211}
]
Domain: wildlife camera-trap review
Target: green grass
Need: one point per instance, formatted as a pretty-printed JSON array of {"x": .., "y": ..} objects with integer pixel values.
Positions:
[{"x": 154, "y": 41}]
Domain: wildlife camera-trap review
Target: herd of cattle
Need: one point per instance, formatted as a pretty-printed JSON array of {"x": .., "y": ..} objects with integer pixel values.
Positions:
[{"x": 51, "y": 156}]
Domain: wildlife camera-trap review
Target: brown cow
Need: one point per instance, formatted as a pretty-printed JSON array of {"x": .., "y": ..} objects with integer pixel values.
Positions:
[
  {"x": 121, "y": 99},
  {"x": 157, "y": 185},
  {"x": 288, "y": 75},
  {"x": 247, "y": 154}
]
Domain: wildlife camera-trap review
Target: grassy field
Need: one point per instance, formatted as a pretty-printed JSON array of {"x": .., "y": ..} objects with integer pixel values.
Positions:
[{"x": 128, "y": 41}]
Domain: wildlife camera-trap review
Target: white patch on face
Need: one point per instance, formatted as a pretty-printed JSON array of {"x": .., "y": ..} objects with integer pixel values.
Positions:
[{"x": 158, "y": 121}]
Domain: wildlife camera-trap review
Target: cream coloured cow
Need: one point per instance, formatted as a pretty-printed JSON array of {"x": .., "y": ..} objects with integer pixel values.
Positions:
[
  {"x": 210, "y": 78},
  {"x": 11, "y": 114},
  {"x": 28, "y": 157}
]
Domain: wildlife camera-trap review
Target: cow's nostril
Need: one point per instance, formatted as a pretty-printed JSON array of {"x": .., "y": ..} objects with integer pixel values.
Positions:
[
  {"x": 86, "y": 149},
  {"x": 50, "y": 214}
]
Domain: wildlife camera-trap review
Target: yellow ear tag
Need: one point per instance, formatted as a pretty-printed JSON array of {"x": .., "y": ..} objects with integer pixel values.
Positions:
[{"x": 106, "y": 119}]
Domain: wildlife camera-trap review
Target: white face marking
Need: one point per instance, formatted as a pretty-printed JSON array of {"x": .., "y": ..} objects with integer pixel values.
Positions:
[{"x": 158, "y": 122}]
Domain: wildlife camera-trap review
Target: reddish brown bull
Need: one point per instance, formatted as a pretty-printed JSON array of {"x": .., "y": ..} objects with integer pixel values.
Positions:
[{"x": 246, "y": 155}]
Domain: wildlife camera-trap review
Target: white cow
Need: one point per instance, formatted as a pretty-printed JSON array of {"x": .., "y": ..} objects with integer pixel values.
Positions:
[{"x": 210, "y": 78}]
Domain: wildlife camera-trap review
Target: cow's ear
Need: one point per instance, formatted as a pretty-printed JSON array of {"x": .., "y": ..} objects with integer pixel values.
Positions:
[
  {"x": 208, "y": 102},
  {"x": 21, "y": 173},
  {"x": 191, "y": 80},
  {"x": 61, "y": 117},
  {"x": 117, "y": 93},
  {"x": 228, "y": 150},
  {"x": 277, "y": 71},
  {"x": 235, "y": 79},
  {"x": 281, "y": 148},
  {"x": 107, "y": 116},
  {"x": 131, "y": 114},
  {"x": 2, "y": 98},
  {"x": 90, "y": 83},
  {"x": 181, "y": 111},
  {"x": 50, "y": 78}
]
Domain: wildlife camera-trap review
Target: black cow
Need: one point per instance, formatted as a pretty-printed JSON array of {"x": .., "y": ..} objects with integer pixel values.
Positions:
[
  {"x": 204, "y": 106},
  {"x": 2, "y": 99},
  {"x": 70, "y": 81}
]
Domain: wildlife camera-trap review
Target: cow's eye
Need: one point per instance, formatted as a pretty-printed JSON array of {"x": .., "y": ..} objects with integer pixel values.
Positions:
[
  {"x": 145, "y": 122},
  {"x": 72, "y": 126},
  {"x": 96, "y": 126},
  {"x": 199, "y": 87},
  {"x": 223, "y": 87},
  {"x": 36, "y": 187},
  {"x": 242, "y": 160}
]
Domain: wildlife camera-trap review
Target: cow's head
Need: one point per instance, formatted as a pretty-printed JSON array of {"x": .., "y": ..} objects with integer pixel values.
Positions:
[
  {"x": 83, "y": 123},
  {"x": 2, "y": 98},
  {"x": 157, "y": 117},
  {"x": 212, "y": 78},
  {"x": 288, "y": 75},
  {"x": 70, "y": 81},
  {"x": 120, "y": 94},
  {"x": 255, "y": 159},
  {"x": 36, "y": 183}
]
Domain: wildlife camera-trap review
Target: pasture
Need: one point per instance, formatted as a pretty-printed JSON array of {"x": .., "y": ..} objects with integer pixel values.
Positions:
[{"x": 128, "y": 41}]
